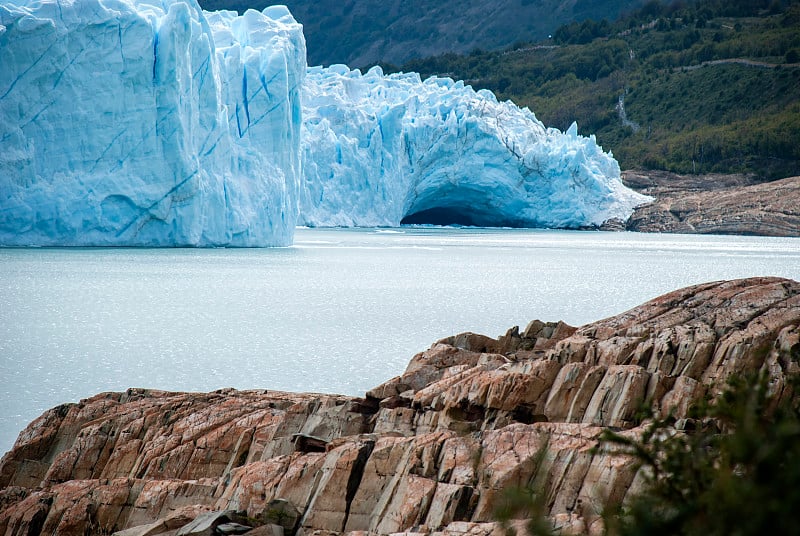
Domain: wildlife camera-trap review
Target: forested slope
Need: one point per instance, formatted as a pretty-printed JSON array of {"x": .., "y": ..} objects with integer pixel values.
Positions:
[{"x": 691, "y": 87}]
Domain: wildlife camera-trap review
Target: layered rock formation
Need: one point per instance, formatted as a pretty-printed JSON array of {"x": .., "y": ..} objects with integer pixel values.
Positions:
[
  {"x": 430, "y": 451},
  {"x": 715, "y": 204}
]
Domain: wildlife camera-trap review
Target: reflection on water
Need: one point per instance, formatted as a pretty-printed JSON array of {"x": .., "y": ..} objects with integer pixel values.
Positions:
[{"x": 340, "y": 311}]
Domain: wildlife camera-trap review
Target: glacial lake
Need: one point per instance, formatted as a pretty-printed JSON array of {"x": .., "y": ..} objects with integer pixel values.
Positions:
[{"x": 340, "y": 311}]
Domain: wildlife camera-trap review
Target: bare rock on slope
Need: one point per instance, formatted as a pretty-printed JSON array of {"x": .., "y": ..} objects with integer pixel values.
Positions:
[
  {"x": 716, "y": 204},
  {"x": 429, "y": 451}
]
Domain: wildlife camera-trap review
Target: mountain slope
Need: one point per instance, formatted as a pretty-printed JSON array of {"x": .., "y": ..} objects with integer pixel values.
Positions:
[
  {"x": 689, "y": 88},
  {"x": 363, "y": 32}
]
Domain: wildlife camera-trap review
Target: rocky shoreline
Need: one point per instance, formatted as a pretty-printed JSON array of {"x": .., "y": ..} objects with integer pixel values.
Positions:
[
  {"x": 713, "y": 204},
  {"x": 430, "y": 451}
]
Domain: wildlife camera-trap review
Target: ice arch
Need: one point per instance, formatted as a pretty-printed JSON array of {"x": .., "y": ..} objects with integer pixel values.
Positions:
[
  {"x": 388, "y": 150},
  {"x": 205, "y": 129},
  {"x": 466, "y": 205}
]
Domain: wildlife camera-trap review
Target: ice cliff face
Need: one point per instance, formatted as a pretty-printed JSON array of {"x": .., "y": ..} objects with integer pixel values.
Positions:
[
  {"x": 148, "y": 122},
  {"x": 153, "y": 123},
  {"x": 381, "y": 150}
]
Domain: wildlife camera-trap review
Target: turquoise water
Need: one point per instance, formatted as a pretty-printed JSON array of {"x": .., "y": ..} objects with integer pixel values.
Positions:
[{"x": 340, "y": 311}]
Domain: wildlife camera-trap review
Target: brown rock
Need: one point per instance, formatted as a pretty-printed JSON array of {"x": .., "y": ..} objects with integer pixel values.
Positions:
[
  {"x": 698, "y": 205},
  {"x": 208, "y": 524},
  {"x": 429, "y": 452},
  {"x": 173, "y": 522},
  {"x": 267, "y": 530}
]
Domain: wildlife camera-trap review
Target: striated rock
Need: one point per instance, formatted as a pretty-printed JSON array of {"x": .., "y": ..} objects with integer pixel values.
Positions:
[
  {"x": 715, "y": 205},
  {"x": 210, "y": 523},
  {"x": 173, "y": 522},
  {"x": 430, "y": 451}
]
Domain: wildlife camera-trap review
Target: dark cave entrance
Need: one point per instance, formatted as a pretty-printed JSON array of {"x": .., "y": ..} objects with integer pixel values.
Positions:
[
  {"x": 458, "y": 216},
  {"x": 442, "y": 216}
]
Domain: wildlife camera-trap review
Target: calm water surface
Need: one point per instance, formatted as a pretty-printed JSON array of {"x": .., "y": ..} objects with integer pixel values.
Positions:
[{"x": 340, "y": 311}]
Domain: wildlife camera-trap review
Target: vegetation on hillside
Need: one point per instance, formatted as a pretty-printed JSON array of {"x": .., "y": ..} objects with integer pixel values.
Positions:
[
  {"x": 687, "y": 86},
  {"x": 733, "y": 469}
]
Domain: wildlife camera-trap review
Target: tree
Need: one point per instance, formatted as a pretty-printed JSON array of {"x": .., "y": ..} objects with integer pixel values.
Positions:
[
  {"x": 731, "y": 469},
  {"x": 735, "y": 469}
]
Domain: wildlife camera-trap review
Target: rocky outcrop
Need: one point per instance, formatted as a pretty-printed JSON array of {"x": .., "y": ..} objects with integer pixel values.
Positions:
[
  {"x": 715, "y": 204},
  {"x": 430, "y": 451}
]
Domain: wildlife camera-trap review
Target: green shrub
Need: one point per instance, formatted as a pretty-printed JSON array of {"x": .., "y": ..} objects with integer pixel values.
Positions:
[
  {"x": 734, "y": 469},
  {"x": 737, "y": 473}
]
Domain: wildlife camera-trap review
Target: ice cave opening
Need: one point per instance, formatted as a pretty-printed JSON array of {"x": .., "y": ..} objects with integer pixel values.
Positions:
[
  {"x": 457, "y": 216},
  {"x": 465, "y": 205},
  {"x": 440, "y": 216}
]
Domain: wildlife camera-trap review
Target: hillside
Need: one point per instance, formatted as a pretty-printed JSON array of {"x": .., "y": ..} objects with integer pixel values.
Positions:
[
  {"x": 695, "y": 87},
  {"x": 715, "y": 204},
  {"x": 364, "y": 32}
]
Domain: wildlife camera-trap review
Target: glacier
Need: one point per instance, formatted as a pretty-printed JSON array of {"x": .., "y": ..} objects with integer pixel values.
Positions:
[
  {"x": 148, "y": 123},
  {"x": 381, "y": 150},
  {"x": 154, "y": 123}
]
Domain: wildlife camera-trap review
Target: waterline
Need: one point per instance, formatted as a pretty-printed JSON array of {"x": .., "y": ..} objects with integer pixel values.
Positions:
[{"x": 340, "y": 311}]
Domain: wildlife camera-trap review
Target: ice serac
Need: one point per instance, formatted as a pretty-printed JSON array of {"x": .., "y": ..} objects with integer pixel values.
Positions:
[
  {"x": 149, "y": 123},
  {"x": 389, "y": 149}
]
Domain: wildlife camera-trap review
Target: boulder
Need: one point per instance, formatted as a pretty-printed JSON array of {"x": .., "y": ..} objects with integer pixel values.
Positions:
[
  {"x": 280, "y": 513},
  {"x": 211, "y": 523}
]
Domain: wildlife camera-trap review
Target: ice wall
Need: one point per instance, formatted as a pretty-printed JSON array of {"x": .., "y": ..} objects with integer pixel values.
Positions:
[
  {"x": 153, "y": 123},
  {"x": 148, "y": 123},
  {"x": 381, "y": 150}
]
